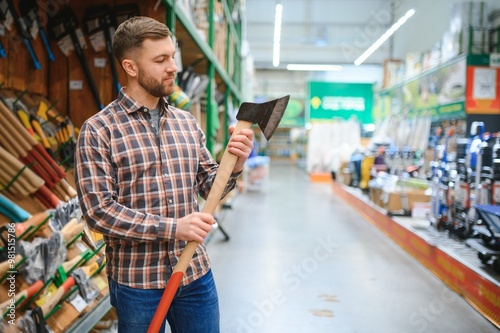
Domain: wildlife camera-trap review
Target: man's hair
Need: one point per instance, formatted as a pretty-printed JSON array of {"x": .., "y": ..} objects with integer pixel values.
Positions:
[{"x": 130, "y": 34}]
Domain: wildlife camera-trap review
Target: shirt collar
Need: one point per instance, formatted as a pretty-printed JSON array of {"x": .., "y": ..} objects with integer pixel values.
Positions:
[{"x": 131, "y": 106}]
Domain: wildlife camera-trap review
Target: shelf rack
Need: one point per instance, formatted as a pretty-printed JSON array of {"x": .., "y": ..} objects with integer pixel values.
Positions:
[{"x": 195, "y": 49}]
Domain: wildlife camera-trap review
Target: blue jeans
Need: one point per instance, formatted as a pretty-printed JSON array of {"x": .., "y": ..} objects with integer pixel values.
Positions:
[{"x": 194, "y": 309}]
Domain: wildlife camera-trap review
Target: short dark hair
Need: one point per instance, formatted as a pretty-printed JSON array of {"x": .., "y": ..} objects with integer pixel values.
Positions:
[{"x": 130, "y": 34}]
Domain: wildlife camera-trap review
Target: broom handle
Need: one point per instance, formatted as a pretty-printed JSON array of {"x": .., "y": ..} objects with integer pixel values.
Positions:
[{"x": 223, "y": 174}]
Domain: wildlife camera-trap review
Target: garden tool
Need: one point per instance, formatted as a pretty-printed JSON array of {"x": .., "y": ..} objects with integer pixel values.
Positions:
[
  {"x": 65, "y": 24},
  {"x": 99, "y": 25},
  {"x": 29, "y": 11},
  {"x": 10, "y": 13}
]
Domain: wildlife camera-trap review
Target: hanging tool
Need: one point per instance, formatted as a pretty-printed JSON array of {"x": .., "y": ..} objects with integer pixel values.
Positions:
[
  {"x": 65, "y": 24},
  {"x": 7, "y": 7},
  {"x": 3, "y": 54},
  {"x": 123, "y": 12},
  {"x": 98, "y": 22},
  {"x": 267, "y": 116},
  {"x": 29, "y": 11}
]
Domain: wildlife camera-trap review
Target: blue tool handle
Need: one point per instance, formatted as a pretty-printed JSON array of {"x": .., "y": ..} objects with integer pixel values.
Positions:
[
  {"x": 36, "y": 63},
  {"x": 8, "y": 214},
  {"x": 17, "y": 212},
  {"x": 3, "y": 54},
  {"x": 47, "y": 44}
]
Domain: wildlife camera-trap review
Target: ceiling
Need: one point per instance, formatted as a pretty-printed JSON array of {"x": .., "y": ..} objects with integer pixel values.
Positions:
[{"x": 317, "y": 31}]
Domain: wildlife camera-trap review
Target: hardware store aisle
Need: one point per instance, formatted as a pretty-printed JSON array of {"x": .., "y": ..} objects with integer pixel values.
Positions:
[{"x": 300, "y": 260}]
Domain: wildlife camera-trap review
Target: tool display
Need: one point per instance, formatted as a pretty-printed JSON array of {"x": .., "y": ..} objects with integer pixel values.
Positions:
[
  {"x": 29, "y": 12},
  {"x": 8, "y": 10},
  {"x": 64, "y": 25},
  {"x": 98, "y": 21},
  {"x": 267, "y": 116}
]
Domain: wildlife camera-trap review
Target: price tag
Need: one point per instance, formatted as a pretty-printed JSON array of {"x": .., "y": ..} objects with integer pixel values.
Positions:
[
  {"x": 79, "y": 303},
  {"x": 99, "y": 62},
  {"x": 75, "y": 85}
]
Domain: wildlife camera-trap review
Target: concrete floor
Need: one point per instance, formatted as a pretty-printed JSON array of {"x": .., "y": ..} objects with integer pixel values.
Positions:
[{"x": 300, "y": 260}]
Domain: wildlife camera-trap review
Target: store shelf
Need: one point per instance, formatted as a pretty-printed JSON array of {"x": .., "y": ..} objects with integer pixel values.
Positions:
[
  {"x": 86, "y": 323},
  {"x": 451, "y": 262},
  {"x": 203, "y": 46}
]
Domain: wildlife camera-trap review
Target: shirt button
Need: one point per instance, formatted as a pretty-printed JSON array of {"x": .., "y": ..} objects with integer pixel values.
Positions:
[
  {"x": 170, "y": 201},
  {"x": 165, "y": 175},
  {"x": 146, "y": 109},
  {"x": 170, "y": 252}
]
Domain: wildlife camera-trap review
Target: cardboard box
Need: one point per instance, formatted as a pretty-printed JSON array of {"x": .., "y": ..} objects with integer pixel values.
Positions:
[
  {"x": 376, "y": 196},
  {"x": 392, "y": 200}
]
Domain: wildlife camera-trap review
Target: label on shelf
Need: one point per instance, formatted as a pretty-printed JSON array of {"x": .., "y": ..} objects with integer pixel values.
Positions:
[
  {"x": 494, "y": 59},
  {"x": 100, "y": 62},
  {"x": 75, "y": 85},
  {"x": 79, "y": 303}
]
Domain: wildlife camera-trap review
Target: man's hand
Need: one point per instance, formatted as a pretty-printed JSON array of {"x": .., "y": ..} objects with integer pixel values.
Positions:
[
  {"x": 194, "y": 227},
  {"x": 241, "y": 145}
]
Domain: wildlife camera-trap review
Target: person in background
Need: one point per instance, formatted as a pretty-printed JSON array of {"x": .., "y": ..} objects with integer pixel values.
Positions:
[{"x": 140, "y": 166}]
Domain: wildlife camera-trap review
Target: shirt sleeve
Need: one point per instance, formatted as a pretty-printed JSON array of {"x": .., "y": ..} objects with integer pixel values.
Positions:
[
  {"x": 97, "y": 193},
  {"x": 207, "y": 170}
]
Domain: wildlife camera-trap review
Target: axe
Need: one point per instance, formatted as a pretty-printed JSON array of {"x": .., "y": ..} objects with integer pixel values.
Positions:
[{"x": 267, "y": 115}]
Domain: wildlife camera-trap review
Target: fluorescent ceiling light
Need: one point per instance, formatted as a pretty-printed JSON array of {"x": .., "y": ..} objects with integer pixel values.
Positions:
[
  {"x": 311, "y": 67},
  {"x": 277, "y": 35},
  {"x": 384, "y": 37}
]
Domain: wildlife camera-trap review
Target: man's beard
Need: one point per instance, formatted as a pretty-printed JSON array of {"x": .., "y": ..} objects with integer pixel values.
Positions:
[{"x": 153, "y": 87}]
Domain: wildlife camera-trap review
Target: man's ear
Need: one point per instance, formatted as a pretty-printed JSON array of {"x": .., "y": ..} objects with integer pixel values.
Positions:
[{"x": 130, "y": 67}]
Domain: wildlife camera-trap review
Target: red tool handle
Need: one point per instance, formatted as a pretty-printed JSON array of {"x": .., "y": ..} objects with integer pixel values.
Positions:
[{"x": 223, "y": 174}]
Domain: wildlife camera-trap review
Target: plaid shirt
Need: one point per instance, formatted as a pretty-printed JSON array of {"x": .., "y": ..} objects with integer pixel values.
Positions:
[{"x": 133, "y": 183}]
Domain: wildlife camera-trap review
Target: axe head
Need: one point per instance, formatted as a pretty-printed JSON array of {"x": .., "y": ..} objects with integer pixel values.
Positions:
[{"x": 267, "y": 115}]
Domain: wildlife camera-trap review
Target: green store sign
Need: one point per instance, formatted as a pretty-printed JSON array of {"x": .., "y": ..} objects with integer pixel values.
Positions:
[{"x": 328, "y": 100}]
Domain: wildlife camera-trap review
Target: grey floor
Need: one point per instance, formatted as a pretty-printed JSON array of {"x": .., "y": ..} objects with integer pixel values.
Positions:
[{"x": 301, "y": 260}]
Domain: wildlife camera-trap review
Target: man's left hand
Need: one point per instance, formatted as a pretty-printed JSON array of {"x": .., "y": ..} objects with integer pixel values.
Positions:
[{"x": 241, "y": 145}]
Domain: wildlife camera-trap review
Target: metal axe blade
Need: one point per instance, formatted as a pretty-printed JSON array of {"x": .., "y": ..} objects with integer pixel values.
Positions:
[{"x": 267, "y": 115}]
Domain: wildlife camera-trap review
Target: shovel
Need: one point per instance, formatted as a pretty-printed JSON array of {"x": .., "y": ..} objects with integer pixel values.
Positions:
[{"x": 267, "y": 115}]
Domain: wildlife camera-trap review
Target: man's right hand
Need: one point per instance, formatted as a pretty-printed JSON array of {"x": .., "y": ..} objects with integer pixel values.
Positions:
[{"x": 194, "y": 227}]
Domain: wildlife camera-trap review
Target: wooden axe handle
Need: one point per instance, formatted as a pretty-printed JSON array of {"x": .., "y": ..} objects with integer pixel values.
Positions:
[
  {"x": 68, "y": 188},
  {"x": 10, "y": 142},
  {"x": 27, "y": 293},
  {"x": 71, "y": 230},
  {"x": 16, "y": 125},
  {"x": 226, "y": 167},
  {"x": 70, "y": 263},
  {"x": 9, "y": 170},
  {"x": 24, "y": 142},
  {"x": 27, "y": 160},
  {"x": 50, "y": 160},
  {"x": 5, "y": 266},
  {"x": 33, "y": 179},
  {"x": 7, "y": 144},
  {"x": 61, "y": 291},
  {"x": 15, "y": 188},
  {"x": 34, "y": 220},
  {"x": 10, "y": 123},
  {"x": 48, "y": 198},
  {"x": 35, "y": 154}
]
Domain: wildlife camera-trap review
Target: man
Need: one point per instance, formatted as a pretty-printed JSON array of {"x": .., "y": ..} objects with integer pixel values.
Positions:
[{"x": 140, "y": 166}]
